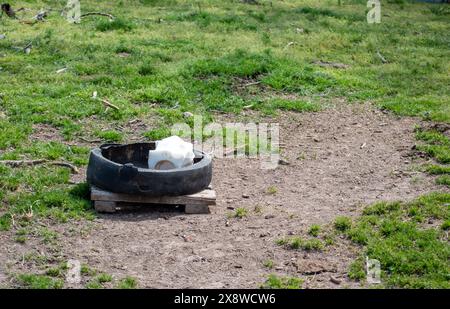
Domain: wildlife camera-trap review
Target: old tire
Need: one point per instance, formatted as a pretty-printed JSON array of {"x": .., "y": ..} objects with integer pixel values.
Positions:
[{"x": 123, "y": 169}]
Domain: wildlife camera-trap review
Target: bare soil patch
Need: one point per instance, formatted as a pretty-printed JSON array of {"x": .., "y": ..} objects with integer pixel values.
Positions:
[
  {"x": 339, "y": 160},
  {"x": 44, "y": 132}
]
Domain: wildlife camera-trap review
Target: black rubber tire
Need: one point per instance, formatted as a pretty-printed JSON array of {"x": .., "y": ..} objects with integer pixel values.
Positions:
[{"x": 122, "y": 169}]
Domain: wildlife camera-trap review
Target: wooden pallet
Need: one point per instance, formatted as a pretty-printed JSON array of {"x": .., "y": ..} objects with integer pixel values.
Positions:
[{"x": 105, "y": 201}]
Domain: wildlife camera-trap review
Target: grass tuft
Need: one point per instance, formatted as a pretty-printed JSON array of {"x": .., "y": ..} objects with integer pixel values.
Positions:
[
  {"x": 411, "y": 254},
  {"x": 116, "y": 24},
  {"x": 127, "y": 283},
  {"x": 240, "y": 213},
  {"x": 314, "y": 230},
  {"x": 342, "y": 223},
  {"x": 299, "y": 243},
  {"x": 33, "y": 281},
  {"x": 275, "y": 282}
]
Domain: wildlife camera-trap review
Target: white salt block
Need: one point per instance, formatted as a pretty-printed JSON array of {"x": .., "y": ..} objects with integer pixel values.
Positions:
[{"x": 170, "y": 153}]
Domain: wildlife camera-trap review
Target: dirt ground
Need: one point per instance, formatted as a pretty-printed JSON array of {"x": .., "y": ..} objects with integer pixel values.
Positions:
[{"x": 339, "y": 159}]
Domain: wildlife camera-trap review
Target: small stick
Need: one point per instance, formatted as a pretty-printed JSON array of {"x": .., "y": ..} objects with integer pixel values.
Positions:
[
  {"x": 251, "y": 84},
  {"x": 72, "y": 167},
  {"x": 17, "y": 163},
  {"x": 109, "y": 104},
  {"x": 97, "y": 13}
]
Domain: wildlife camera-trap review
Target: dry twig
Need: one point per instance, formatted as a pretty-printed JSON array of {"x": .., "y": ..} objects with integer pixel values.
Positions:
[
  {"x": 18, "y": 163},
  {"x": 97, "y": 13},
  {"x": 72, "y": 167},
  {"x": 109, "y": 104}
]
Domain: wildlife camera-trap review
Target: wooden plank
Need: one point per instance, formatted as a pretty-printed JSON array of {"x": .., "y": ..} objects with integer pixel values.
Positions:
[
  {"x": 206, "y": 197},
  {"x": 196, "y": 209},
  {"x": 102, "y": 206}
]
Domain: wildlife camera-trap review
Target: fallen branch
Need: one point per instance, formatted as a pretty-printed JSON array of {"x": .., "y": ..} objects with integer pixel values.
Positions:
[
  {"x": 97, "y": 13},
  {"x": 109, "y": 104},
  {"x": 18, "y": 163},
  {"x": 72, "y": 167}
]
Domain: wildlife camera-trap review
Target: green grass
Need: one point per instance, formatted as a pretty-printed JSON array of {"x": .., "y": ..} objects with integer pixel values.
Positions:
[
  {"x": 58, "y": 271},
  {"x": 127, "y": 283},
  {"x": 116, "y": 24},
  {"x": 437, "y": 146},
  {"x": 411, "y": 254},
  {"x": 97, "y": 282},
  {"x": 215, "y": 56},
  {"x": 86, "y": 270},
  {"x": 268, "y": 264},
  {"x": 215, "y": 43},
  {"x": 443, "y": 180},
  {"x": 275, "y": 282},
  {"x": 299, "y": 243},
  {"x": 48, "y": 236},
  {"x": 21, "y": 239},
  {"x": 33, "y": 281},
  {"x": 357, "y": 269},
  {"x": 446, "y": 225},
  {"x": 103, "y": 278},
  {"x": 199, "y": 58},
  {"x": 272, "y": 190},
  {"x": 294, "y": 105},
  {"x": 93, "y": 285},
  {"x": 438, "y": 169},
  {"x": 157, "y": 134},
  {"x": 57, "y": 204},
  {"x": 342, "y": 223},
  {"x": 314, "y": 230},
  {"x": 240, "y": 213},
  {"x": 54, "y": 272},
  {"x": 110, "y": 136}
]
